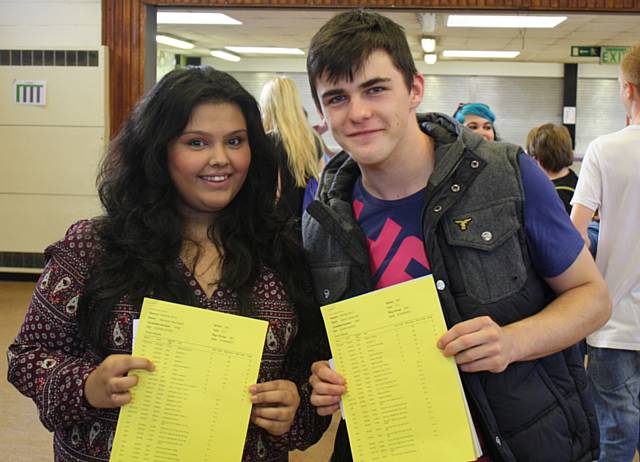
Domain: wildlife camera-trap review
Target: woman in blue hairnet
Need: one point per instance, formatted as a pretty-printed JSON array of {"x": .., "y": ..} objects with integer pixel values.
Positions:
[{"x": 477, "y": 117}]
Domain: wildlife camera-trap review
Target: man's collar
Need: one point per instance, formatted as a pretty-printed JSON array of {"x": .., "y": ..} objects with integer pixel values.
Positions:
[{"x": 450, "y": 139}]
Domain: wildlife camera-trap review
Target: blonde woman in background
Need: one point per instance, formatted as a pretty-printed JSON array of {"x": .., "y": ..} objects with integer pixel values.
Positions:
[{"x": 299, "y": 147}]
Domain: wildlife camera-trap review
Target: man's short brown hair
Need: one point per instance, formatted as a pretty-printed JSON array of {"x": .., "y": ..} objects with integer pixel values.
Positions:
[
  {"x": 630, "y": 65},
  {"x": 551, "y": 146},
  {"x": 342, "y": 46}
]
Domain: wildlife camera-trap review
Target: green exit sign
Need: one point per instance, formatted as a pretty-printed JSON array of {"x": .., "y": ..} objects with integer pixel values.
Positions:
[
  {"x": 612, "y": 55},
  {"x": 585, "y": 52}
]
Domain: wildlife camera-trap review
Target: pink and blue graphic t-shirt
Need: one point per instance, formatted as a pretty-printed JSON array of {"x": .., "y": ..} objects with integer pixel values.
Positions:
[{"x": 393, "y": 230}]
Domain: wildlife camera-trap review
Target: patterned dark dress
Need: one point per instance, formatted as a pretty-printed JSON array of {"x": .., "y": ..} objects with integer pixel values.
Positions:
[{"x": 49, "y": 362}]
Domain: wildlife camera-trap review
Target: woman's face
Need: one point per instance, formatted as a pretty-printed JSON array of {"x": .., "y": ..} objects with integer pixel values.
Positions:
[
  {"x": 480, "y": 125},
  {"x": 209, "y": 161}
]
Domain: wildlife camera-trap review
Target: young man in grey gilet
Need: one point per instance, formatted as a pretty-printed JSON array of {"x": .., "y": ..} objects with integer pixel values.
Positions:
[{"x": 413, "y": 194}]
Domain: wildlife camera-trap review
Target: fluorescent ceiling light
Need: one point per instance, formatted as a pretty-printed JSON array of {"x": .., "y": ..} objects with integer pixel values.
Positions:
[
  {"x": 479, "y": 54},
  {"x": 430, "y": 58},
  {"x": 266, "y": 50},
  {"x": 195, "y": 18},
  {"x": 224, "y": 55},
  {"x": 174, "y": 42},
  {"x": 428, "y": 45},
  {"x": 518, "y": 22}
]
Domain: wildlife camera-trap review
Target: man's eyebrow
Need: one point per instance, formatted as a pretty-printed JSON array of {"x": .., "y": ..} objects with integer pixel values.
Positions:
[
  {"x": 332, "y": 92},
  {"x": 374, "y": 81},
  {"x": 368, "y": 83}
]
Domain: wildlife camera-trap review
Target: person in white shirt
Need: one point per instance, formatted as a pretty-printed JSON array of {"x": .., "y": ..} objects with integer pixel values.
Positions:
[{"x": 610, "y": 182}]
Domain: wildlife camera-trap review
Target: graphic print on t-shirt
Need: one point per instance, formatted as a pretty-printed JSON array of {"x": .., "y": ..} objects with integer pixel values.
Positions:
[{"x": 393, "y": 236}]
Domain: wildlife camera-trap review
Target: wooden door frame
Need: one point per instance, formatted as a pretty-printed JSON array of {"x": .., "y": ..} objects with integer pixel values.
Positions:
[{"x": 123, "y": 29}]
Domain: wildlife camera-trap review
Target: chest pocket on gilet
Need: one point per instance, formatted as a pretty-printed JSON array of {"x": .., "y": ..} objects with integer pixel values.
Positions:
[
  {"x": 486, "y": 246},
  {"x": 330, "y": 281}
]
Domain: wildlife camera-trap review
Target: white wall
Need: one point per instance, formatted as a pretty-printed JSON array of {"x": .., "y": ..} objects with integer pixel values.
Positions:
[
  {"x": 48, "y": 155},
  {"x": 50, "y": 23},
  {"x": 493, "y": 68},
  {"x": 523, "y": 95}
]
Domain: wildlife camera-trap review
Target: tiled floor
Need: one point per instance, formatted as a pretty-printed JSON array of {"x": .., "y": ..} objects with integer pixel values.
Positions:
[{"x": 21, "y": 433}]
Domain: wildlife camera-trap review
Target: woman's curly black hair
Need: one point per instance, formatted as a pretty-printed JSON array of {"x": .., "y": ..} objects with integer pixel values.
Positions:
[{"x": 141, "y": 231}]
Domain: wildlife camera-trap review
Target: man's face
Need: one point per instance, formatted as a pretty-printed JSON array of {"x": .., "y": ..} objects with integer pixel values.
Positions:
[
  {"x": 622, "y": 93},
  {"x": 626, "y": 94},
  {"x": 369, "y": 116}
]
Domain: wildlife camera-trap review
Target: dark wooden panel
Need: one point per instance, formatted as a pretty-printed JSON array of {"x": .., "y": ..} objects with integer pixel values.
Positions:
[
  {"x": 123, "y": 30},
  {"x": 585, "y": 6},
  {"x": 122, "y": 33}
]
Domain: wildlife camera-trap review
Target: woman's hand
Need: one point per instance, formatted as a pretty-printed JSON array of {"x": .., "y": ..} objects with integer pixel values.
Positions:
[
  {"x": 108, "y": 385},
  {"x": 274, "y": 405}
]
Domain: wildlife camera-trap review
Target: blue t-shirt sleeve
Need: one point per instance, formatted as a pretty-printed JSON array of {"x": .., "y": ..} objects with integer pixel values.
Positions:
[
  {"x": 554, "y": 243},
  {"x": 309, "y": 193}
]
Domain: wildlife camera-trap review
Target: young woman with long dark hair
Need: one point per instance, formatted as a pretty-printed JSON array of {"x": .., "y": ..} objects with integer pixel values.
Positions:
[{"x": 188, "y": 189}]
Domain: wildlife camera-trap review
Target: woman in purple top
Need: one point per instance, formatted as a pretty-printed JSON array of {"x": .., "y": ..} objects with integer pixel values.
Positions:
[{"x": 188, "y": 188}]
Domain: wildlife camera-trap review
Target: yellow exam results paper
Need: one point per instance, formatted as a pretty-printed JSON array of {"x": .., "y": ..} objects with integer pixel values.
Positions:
[
  {"x": 404, "y": 400},
  {"x": 196, "y": 405}
]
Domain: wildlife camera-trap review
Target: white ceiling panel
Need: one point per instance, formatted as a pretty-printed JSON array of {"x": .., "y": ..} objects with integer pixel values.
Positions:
[{"x": 294, "y": 28}]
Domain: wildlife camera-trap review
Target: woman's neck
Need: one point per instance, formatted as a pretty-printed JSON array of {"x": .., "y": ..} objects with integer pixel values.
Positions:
[
  {"x": 196, "y": 227},
  {"x": 203, "y": 259}
]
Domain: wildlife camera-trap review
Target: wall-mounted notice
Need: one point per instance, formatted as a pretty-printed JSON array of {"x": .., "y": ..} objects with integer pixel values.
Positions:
[
  {"x": 30, "y": 92},
  {"x": 569, "y": 115}
]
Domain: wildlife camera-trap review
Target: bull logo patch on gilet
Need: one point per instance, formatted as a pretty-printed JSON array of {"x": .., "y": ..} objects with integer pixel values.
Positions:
[{"x": 463, "y": 223}]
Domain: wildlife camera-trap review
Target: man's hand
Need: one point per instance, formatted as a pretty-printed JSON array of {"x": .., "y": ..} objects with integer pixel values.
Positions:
[
  {"x": 109, "y": 386},
  {"x": 274, "y": 405},
  {"x": 478, "y": 344},
  {"x": 328, "y": 388}
]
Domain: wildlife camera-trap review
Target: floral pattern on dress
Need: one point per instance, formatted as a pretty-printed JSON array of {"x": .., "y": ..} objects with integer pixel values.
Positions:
[{"x": 49, "y": 361}]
